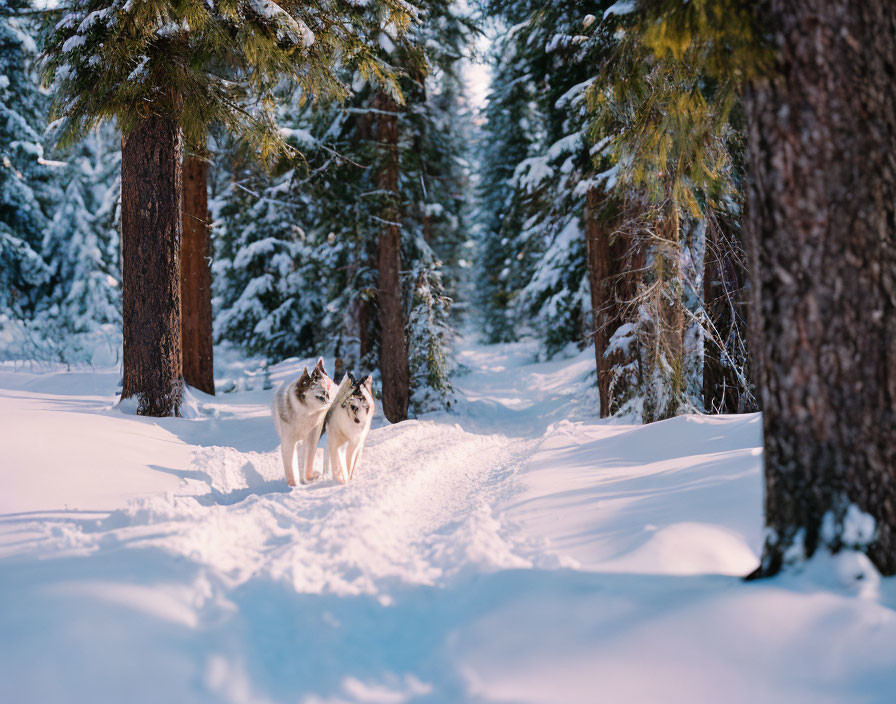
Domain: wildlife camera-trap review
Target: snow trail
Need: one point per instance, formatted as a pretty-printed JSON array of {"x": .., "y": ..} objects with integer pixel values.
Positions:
[
  {"x": 515, "y": 549},
  {"x": 417, "y": 512}
]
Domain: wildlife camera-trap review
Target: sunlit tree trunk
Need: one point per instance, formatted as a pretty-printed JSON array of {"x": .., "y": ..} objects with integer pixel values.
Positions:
[{"x": 393, "y": 342}]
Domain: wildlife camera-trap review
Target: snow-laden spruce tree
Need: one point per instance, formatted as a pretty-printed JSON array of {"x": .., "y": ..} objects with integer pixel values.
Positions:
[
  {"x": 168, "y": 70},
  {"x": 23, "y": 179},
  {"x": 548, "y": 58},
  {"x": 379, "y": 172},
  {"x": 288, "y": 243},
  {"x": 435, "y": 140},
  {"x": 82, "y": 246},
  {"x": 511, "y": 128},
  {"x": 270, "y": 284}
]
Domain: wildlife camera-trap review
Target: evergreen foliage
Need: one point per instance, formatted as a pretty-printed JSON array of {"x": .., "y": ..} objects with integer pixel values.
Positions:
[
  {"x": 296, "y": 268},
  {"x": 82, "y": 242},
  {"x": 199, "y": 63},
  {"x": 546, "y": 61},
  {"x": 632, "y": 106},
  {"x": 662, "y": 112},
  {"x": 508, "y": 136},
  {"x": 23, "y": 176},
  {"x": 266, "y": 280}
]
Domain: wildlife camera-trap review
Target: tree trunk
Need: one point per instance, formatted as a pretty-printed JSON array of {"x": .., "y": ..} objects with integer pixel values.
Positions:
[
  {"x": 393, "y": 343},
  {"x": 150, "y": 266},
  {"x": 196, "y": 279},
  {"x": 611, "y": 286},
  {"x": 821, "y": 237}
]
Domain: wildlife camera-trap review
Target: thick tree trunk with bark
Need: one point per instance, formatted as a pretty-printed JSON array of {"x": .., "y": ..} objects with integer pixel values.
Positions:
[
  {"x": 393, "y": 343},
  {"x": 821, "y": 238},
  {"x": 612, "y": 285},
  {"x": 150, "y": 266},
  {"x": 196, "y": 279}
]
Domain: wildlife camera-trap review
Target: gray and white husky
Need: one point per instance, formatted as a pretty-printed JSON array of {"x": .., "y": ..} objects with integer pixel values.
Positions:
[
  {"x": 300, "y": 407},
  {"x": 347, "y": 424}
]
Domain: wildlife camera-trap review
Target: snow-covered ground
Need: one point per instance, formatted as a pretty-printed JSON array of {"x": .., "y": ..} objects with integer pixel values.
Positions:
[{"x": 514, "y": 550}]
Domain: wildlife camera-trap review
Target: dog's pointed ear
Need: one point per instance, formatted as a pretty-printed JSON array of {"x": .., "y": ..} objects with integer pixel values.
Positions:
[
  {"x": 303, "y": 384},
  {"x": 368, "y": 383},
  {"x": 320, "y": 366},
  {"x": 352, "y": 378}
]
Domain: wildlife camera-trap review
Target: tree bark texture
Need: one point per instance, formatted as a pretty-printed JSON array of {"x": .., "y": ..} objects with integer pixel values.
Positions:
[
  {"x": 196, "y": 278},
  {"x": 821, "y": 238},
  {"x": 611, "y": 286},
  {"x": 150, "y": 267},
  {"x": 393, "y": 342}
]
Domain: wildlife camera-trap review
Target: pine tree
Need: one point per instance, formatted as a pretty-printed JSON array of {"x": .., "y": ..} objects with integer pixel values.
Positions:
[
  {"x": 165, "y": 71},
  {"x": 390, "y": 306},
  {"x": 341, "y": 205},
  {"x": 81, "y": 246},
  {"x": 23, "y": 220},
  {"x": 663, "y": 108},
  {"x": 434, "y": 186},
  {"x": 821, "y": 237},
  {"x": 547, "y": 60},
  {"x": 270, "y": 286},
  {"x": 508, "y": 136}
]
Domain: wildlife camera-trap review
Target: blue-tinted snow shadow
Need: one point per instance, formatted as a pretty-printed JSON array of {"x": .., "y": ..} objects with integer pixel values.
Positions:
[
  {"x": 257, "y": 485},
  {"x": 132, "y": 625}
]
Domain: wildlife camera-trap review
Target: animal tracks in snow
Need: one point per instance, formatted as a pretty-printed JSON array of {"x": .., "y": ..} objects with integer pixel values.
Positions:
[{"x": 417, "y": 512}]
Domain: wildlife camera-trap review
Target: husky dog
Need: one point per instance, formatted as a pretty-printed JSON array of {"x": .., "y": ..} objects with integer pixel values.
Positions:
[
  {"x": 347, "y": 424},
  {"x": 299, "y": 411}
]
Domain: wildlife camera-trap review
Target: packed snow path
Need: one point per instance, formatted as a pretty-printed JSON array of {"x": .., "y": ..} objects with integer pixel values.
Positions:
[{"x": 514, "y": 549}]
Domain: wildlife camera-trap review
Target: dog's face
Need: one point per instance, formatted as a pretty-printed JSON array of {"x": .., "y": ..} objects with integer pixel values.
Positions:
[
  {"x": 359, "y": 404},
  {"x": 316, "y": 389}
]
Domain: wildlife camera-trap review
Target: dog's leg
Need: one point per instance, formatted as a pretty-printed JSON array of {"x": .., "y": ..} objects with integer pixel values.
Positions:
[
  {"x": 355, "y": 458},
  {"x": 339, "y": 461},
  {"x": 288, "y": 450},
  {"x": 310, "y": 450}
]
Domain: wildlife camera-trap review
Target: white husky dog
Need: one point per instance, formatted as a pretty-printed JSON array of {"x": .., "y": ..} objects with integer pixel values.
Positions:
[
  {"x": 347, "y": 425},
  {"x": 299, "y": 409}
]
